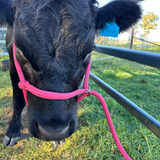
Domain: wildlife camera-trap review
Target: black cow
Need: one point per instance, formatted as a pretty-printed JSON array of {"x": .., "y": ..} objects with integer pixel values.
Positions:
[{"x": 53, "y": 39}]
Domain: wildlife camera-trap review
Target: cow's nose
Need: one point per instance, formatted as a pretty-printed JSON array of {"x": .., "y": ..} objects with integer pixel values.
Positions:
[{"x": 49, "y": 134}]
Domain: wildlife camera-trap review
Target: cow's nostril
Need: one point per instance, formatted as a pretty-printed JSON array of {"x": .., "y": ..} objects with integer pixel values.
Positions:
[{"x": 49, "y": 134}]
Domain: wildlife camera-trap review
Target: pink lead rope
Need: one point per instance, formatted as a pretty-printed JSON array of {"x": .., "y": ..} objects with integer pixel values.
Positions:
[{"x": 85, "y": 91}]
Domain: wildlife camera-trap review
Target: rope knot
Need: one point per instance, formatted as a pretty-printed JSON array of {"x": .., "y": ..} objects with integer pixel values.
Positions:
[{"x": 22, "y": 85}]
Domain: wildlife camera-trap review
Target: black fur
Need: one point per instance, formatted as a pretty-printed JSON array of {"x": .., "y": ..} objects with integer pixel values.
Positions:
[
  {"x": 6, "y": 15},
  {"x": 53, "y": 38}
]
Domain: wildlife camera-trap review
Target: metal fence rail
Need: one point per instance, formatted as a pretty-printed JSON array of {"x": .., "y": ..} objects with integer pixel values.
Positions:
[
  {"x": 148, "y": 58},
  {"x": 135, "y": 43}
]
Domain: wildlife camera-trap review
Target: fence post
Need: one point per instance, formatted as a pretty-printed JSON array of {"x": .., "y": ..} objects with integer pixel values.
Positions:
[{"x": 132, "y": 36}]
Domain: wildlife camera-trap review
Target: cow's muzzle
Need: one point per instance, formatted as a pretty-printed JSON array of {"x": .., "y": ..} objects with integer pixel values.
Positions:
[{"x": 49, "y": 134}]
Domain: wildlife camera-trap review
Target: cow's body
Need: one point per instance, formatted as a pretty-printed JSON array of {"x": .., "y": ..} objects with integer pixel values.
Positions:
[{"x": 53, "y": 39}]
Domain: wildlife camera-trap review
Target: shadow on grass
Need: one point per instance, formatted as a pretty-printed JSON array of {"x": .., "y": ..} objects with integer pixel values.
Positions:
[{"x": 5, "y": 119}]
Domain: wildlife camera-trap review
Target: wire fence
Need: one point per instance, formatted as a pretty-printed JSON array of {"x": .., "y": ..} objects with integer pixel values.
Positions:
[
  {"x": 145, "y": 45},
  {"x": 3, "y": 50},
  {"x": 138, "y": 44}
]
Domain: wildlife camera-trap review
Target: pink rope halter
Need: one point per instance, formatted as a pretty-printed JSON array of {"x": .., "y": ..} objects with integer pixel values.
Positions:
[{"x": 85, "y": 91}]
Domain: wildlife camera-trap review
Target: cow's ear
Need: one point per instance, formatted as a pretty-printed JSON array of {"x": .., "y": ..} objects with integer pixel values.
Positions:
[
  {"x": 125, "y": 12},
  {"x": 6, "y": 14}
]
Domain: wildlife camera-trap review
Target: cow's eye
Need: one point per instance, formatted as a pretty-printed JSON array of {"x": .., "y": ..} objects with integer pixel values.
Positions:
[
  {"x": 86, "y": 60},
  {"x": 94, "y": 47}
]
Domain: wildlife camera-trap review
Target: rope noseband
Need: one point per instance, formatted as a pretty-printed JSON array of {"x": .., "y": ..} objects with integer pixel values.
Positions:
[{"x": 85, "y": 91}]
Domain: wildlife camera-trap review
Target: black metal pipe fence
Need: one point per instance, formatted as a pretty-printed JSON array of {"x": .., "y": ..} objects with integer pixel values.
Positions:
[{"x": 148, "y": 58}]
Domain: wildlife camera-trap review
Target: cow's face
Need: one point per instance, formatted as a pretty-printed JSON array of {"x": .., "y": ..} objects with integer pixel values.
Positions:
[{"x": 53, "y": 39}]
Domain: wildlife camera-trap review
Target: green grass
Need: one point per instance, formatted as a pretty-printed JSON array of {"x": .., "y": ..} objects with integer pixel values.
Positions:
[
  {"x": 3, "y": 58},
  {"x": 93, "y": 139}
]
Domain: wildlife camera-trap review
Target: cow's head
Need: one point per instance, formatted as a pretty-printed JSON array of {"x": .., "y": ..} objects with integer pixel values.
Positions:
[{"x": 53, "y": 39}]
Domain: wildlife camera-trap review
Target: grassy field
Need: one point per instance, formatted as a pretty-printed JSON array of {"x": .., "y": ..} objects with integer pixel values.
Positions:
[{"x": 93, "y": 139}]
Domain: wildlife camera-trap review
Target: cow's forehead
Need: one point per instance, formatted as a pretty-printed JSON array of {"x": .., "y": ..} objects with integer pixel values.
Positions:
[
  {"x": 53, "y": 16},
  {"x": 39, "y": 11},
  {"x": 61, "y": 28}
]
